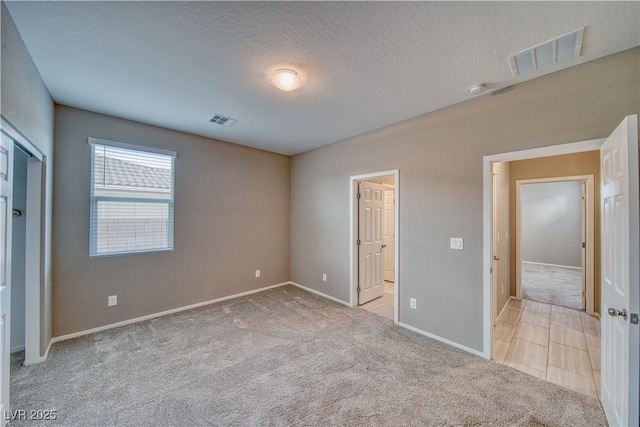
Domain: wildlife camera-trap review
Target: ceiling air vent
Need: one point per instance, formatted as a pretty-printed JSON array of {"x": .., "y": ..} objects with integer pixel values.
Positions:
[
  {"x": 219, "y": 119},
  {"x": 548, "y": 53}
]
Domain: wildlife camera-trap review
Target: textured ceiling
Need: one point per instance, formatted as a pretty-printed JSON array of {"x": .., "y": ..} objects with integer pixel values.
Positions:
[{"x": 366, "y": 64}]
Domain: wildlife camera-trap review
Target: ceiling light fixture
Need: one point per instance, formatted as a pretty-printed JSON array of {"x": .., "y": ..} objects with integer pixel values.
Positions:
[
  {"x": 477, "y": 89},
  {"x": 285, "y": 79}
]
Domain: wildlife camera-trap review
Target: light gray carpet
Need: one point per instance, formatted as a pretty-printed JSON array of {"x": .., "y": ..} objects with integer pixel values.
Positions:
[
  {"x": 284, "y": 357},
  {"x": 553, "y": 285}
]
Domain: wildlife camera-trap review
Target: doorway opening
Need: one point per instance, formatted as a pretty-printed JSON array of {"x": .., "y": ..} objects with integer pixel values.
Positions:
[
  {"x": 374, "y": 242},
  {"x": 24, "y": 253},
  {"x": 555, "y": 241},
  {"x": 544, "y": 339}
]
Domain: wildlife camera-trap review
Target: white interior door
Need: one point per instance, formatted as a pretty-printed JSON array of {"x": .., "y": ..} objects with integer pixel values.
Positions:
[
  {"x": 619, "y": 207},
  {"x": 388, "y": 230},
  {"x": 6, "y": 203},
  {"x": 370, "y": 251}
]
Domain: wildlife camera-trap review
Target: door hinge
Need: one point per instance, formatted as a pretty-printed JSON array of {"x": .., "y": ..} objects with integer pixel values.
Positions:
[
  {"x": 490, "y": 270},
  {"x": 358, "y": 289},
  {"x": 358, "y": 196},
  {"x": 634, "y": 318},
  {"x": 358, "y": 242},
  {"x": 584, "y": 245}
]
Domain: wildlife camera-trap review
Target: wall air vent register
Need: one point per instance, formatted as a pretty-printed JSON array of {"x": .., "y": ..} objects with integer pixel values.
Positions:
[
  {"x": 219, "y": 119},
  {"x": 551, "y": 52}
]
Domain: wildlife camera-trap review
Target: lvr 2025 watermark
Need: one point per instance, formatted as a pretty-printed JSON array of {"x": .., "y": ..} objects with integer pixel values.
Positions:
[{"x": 30, "y": 415}]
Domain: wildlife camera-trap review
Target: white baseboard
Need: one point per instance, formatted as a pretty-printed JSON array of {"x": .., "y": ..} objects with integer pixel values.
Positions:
[
  {"x": 38, "y": 359},
  {"x": 553, "y": 265},
  {"x": 200, "y": 304},
  {"x": 444, "y": 340},
  {"x": 313, "y": 291},
  {"x": 160, "y": 314}
]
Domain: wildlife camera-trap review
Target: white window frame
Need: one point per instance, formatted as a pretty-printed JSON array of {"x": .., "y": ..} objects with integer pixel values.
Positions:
[{"x": 95, "y": 199}]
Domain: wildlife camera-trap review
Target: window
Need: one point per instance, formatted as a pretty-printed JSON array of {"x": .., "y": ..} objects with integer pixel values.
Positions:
[{"x": 131, "y": 198}]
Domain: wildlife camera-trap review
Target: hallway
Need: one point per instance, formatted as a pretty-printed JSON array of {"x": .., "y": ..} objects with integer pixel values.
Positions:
[{"x": 553, "y": 343}]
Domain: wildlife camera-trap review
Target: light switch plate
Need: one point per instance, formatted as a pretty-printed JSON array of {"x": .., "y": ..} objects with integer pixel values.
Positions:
[{"x": 457, "y": 243}]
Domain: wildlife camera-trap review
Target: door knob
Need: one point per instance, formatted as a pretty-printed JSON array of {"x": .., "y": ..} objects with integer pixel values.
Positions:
[
  {"x": 495, "y": 258},
  {"x": 384, "y": 246},
  {"x": 615, "y": 313}
]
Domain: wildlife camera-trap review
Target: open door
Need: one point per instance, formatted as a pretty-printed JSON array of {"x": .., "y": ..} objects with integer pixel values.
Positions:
[
  {"x": 389, "y": 230},
  {"x": 6, "y": 203},
  {"x": 620, "y": 275},
  {"x": 370, "y": 241}
]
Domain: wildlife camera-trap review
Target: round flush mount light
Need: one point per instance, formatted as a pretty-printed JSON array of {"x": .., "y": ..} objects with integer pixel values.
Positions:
[
  {"x": 478, "y": 89},
  {"x": 285, "y": 79}
]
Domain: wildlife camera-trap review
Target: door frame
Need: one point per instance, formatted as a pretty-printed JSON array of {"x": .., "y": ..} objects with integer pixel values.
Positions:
[
  {"x": 589, "y": 240},
  {"x": 353, "y": 235},
  {"x": 487, "y": 220},
  {"x": 494, "y": 246},
  {"x": 34, "y": 251}
]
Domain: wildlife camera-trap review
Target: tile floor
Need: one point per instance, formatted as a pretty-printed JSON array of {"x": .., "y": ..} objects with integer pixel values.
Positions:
[
  {"x": 554, "y": 343},
  {"x": 383, "y": 305}
]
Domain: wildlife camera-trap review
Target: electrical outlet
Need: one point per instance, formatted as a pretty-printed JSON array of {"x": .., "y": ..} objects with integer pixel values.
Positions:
[
  {"x": 112, "y": 300},
  {"x": 257, "y": 273},
  {"x": 324, "y": 277},
  {"x": 413, "y": 303},
  {"x": 456, "y": 243}
]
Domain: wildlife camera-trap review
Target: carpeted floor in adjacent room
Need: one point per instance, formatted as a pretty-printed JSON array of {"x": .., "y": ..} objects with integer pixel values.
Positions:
[
  {"x": 552, "y": 284},
  {"x": 284, "y": 357}
]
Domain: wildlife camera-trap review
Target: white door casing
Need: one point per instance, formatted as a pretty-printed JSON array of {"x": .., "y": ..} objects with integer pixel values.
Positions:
[
  {"x": 370, "y": 250},
  {"x": 6, "y": 203},
  {"x": 388, "y": 229},
  {"x": 589, "y": 215},
  {"x": 583, "y": 240},
  {"x": 619, "y": 284}
]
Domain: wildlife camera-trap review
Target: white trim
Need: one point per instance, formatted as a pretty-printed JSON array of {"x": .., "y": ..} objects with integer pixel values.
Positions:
[
  {"x": 34, "y": 239},
  {"x": 589, "y": 269},
  {"x": 39, "y": 359},
  {"x": 160, "y": 314},
  {"x": 487, "y": 219},
  {"x": 353, "y": 277},
  {"x": 15, "y": 134},
  {"x": 444, "y": 340},
  {"x": 118, "y": 144},
  {"x": 313, "y": 291},
  {"x": 552, "y": 265}
]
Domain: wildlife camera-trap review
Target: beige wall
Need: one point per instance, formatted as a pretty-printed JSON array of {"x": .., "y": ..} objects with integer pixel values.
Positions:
[
  {"x": 231, "y": 218},
  {"x": 502, "y": 274},
  {"x": 439, "y": 156},
  {"x": 27, "y": 105},
  {"x": 587, "y": 163}
]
